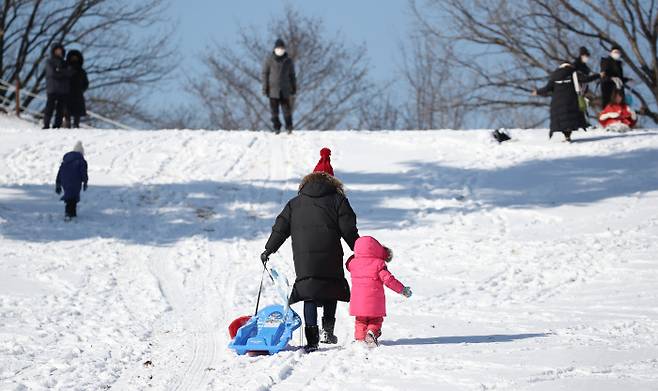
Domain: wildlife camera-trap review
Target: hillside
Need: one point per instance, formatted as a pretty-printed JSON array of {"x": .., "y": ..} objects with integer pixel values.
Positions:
[{"x": 533, "y": 263}]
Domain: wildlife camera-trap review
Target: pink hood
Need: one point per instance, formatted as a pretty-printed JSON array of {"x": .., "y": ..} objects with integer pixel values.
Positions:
[
  {"x": 369, "y": 247},
  {"x": 369, "y": 274}
]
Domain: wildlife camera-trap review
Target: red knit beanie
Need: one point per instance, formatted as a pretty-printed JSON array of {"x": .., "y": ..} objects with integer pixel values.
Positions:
[{"x": 324, "y": 165}]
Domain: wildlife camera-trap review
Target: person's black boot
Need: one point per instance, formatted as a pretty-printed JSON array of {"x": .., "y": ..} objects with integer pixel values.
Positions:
[
  {"x": 327, "y": 335},
  {"x": 276, "y": 125},
  {"x": 312, "y": 338},
  {"x": 289, "y": 126}
]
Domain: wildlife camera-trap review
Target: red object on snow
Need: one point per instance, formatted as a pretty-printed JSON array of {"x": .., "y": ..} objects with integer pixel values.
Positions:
[
  {"x": 324, "y": 165},
  {"x": 236, "y": 324},
  {"x": 617, "y": 113}
]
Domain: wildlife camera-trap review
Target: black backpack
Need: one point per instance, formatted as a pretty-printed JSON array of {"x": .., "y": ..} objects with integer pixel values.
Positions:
[{"x": 500, "y": 136}]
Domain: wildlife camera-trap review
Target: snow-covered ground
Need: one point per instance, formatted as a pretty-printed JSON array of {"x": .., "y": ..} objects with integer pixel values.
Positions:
[{"x": 534, "y": 263}]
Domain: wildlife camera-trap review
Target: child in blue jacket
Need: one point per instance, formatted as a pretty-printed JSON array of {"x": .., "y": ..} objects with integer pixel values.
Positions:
[{"x": 72, "y": 177}]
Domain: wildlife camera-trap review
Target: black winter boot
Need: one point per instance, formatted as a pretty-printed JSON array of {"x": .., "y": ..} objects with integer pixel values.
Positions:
[
  {"x": 276, "y": 125},
  {"x": 312, "y": 338},
  {"x": 327, "y": 335},
  {"x": 289, "y": 126}
]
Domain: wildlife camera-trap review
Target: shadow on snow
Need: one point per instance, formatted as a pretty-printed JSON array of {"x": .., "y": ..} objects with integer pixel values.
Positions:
[
  {"x": 165, "y": 213},
  {"x": 465, "y": 339}
]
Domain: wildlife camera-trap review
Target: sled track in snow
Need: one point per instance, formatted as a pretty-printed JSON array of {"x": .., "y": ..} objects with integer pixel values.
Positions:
[{"x": 199, "y": 347}]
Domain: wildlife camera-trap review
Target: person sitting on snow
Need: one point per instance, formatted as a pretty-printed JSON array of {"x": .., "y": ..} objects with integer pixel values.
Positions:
[
  {"x": 618, "y": 116},
  {"x": 369, "y": 275},
  {"x": 72, "y": 176},
  {"x": 316, "y": 219}
]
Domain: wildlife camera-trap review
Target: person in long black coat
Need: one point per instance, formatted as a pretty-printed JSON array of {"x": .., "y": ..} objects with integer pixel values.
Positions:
[
  {"x": 566, "y": 115},
  {"x": 316, "y": 219},
  {"x": 280, "y": 85},
  {"x": 614, "y": 78},
  {"x": 580, "y": 63},
  {"x": 72, "y": 176},
  {"x": 76, "y": 106}
]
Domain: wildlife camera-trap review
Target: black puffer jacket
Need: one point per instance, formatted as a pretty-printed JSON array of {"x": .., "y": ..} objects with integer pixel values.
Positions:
[
  {"x": 316, "y": 220},
  {"x": 565, "y": 113},
  {"x": 585, "y": 70},
  {"x": 58, "y": 74}
]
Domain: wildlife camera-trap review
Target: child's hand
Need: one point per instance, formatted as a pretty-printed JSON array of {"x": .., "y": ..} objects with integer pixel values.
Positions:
[{"x": 406, "y": 292}]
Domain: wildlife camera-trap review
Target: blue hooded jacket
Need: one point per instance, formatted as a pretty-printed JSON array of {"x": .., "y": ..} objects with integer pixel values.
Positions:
[{"x": 72, "y": 174}]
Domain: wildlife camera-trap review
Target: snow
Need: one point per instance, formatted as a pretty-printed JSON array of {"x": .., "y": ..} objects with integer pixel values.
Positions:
[{"x": 533, "y": 262}]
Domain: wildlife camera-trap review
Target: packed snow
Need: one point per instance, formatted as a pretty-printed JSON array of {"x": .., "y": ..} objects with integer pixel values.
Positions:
[{"x": 533, "y": 262}]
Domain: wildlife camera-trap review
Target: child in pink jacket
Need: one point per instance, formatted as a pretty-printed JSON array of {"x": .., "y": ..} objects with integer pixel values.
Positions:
[{"x": 369, "y": 275}]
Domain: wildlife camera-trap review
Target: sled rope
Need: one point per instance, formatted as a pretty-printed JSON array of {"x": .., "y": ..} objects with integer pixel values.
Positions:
[{"x": 260, "y": 290}]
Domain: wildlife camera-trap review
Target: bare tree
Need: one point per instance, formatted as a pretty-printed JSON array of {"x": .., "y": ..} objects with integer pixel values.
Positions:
[
  {"x": 121, "y": 59},
  {"x": 331, "y": 76},
  {"x": 510, "y": 46},
  {"x": 437, "y": 93},
  {"x": 380, "y": 112},
  {"x": 428, "y": 90}
]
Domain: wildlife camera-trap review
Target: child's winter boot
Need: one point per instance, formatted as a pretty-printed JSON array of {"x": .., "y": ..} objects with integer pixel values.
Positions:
[
  {"x": 312, "y": 338},
  {"x": 327, "y": 335},
  {"x": 371, "y": 338}
]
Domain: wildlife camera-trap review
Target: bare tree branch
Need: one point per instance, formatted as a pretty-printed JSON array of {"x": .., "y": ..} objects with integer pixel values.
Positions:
[
  {"x": 121, "y": 56},
  {"x": 531, "y": 38},
  {"x": 331, "y": 76}
]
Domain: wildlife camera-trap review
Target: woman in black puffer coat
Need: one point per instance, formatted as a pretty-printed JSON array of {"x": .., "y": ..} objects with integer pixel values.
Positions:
[
  {"x": 76, "y": 105},
  {"x": 316, "y": 219},
  {"x": 566, "y": 115}
]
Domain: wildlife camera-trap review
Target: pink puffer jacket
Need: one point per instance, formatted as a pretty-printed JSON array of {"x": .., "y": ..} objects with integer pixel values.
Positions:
[{"x": 369, "y": 275}]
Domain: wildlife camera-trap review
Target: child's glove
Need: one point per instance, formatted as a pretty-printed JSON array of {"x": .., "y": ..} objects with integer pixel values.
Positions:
[
  {"x": 58, "y": 189},
  {"x": 406, "y": 292}
]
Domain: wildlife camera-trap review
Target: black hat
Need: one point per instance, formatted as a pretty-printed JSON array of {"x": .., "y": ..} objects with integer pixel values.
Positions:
[
  {"x": 75, "y": 53},
  {"x": 279, "y": 43},
  {"x": 615, "y": 47},
  {"x": 583, "y": 51}
]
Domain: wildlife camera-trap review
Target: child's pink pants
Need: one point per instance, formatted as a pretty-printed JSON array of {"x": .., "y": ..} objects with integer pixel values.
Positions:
[{"x": 365, "y": 323}]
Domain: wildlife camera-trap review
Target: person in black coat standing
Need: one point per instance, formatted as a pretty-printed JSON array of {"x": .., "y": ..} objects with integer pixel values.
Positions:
[
  {"x": 58, "y": 79},
  {"x": 580, "y": 63},
  {"x": 280, "y": 85},
  {"x": 316, "y": 219},
  {"x": 76, "y": 106},
  {"x": 614, "y": 78},
  {"x": 72, "y": 176},
  {"x": 566, "y": 115}
]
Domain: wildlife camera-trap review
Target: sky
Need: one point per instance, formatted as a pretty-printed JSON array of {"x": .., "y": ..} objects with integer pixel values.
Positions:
[{"x": 380, "y": 24}]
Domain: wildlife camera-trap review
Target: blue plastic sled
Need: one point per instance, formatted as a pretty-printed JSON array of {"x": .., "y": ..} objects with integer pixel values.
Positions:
[{"x": 269, "y": 331}]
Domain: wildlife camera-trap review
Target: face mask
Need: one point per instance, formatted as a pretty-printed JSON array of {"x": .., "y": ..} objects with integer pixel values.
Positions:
[
  {"x": 615, "y": 55},
  {"x": 584, "y": 59},
  {"x": 279, "y": 51}
]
